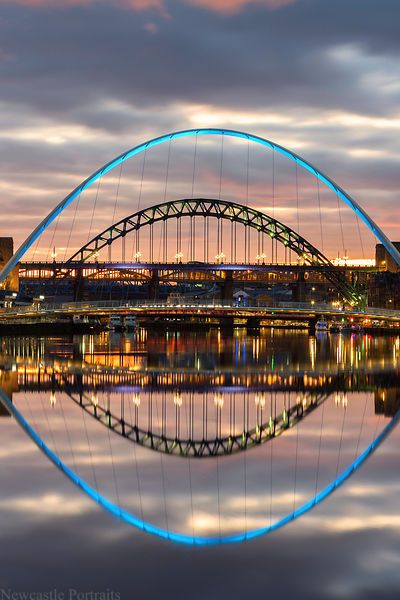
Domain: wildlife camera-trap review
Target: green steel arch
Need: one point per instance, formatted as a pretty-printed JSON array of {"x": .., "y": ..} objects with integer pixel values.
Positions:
[
  {"x": 226, "y": 445},
  {"x": 220, "y": 209}
]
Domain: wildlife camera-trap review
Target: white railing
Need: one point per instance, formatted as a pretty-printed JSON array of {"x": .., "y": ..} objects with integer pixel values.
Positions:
[{"x": 71, "y": 307}]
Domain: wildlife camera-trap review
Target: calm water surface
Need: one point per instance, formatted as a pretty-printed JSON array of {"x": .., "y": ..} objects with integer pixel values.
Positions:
[{"x": 201, "y": 435}]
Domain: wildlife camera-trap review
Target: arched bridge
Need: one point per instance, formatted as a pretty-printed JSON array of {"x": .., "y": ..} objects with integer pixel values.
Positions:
[{"x": 219, "y": 209}]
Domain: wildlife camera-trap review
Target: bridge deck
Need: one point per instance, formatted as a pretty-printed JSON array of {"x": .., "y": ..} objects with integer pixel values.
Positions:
[{"x": 198, "y": 309}]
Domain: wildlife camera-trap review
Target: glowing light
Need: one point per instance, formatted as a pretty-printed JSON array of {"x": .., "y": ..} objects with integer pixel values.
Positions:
[
  {"x": 53, "y": 399},
  {"x": 341, "y": 399},
  {"x": 259, "y": 400},
  {"x": 219, "y": 400},
  {"x": 178, "y": 399}
]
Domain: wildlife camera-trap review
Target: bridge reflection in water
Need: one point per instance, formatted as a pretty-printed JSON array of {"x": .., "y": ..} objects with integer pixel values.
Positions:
[{"x": 281, "y": 419}]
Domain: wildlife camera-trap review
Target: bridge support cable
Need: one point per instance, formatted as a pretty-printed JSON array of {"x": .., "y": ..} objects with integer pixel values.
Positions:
[
  {"x": 163, "y": 480},
  {"x": 320, "y": 217},
  {"x": 115, "y": 205},
  {"x": 136, "y": 402},
  {"x": 190, "y": 434},
  {"x": 319, "y": 450},
  {"x": 340, "y": 441},
  {"x": 113, "y": 471},
  {"x": 341, "y": 225},
  {"x": 94, "y": 209},
  {"x": 297, "y": 197},
  {"x": 296, "y": 455},
  {"x": 361, "y": 429}
]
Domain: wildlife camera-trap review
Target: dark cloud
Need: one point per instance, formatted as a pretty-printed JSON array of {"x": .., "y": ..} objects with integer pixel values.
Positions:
[
  {"x": 62, "y": 63},
  {"x": 83, "y": 81}
]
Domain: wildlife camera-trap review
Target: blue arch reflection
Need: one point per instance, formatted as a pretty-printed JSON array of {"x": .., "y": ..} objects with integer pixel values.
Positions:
[{"x": 135, "y": 521}]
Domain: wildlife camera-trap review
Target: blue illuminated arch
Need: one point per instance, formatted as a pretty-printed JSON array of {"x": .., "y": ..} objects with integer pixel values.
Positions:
[
  {"x": 135, "y": 521},
  {"x": 376, "y": 230}
]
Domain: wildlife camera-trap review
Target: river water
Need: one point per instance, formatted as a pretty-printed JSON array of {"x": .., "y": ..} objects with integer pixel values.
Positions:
[{"x": 200, "y": 465}]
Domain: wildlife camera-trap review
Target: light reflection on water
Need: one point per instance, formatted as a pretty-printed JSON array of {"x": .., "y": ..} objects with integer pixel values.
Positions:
[{"x": 195, "y": 387}]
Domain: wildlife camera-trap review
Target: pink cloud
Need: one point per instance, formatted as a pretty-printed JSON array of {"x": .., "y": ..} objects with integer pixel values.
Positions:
[
  {"x": 136, "y": 5},
  {"x": 39, "y": 3},
  {"x": 221, "y": 6},
  {"x": 151, "y": 27},
  {"x": 139, "y": 5},
  {"x": 234, "y": 6}
]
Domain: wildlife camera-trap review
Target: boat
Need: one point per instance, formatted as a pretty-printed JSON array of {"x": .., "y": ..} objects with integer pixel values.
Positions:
[
  {"x": 352, "y": 328},
  {"x": 321, "y": 325},
  {"x": 115, "y": 323},
  {"x": 130, "y": 322}
]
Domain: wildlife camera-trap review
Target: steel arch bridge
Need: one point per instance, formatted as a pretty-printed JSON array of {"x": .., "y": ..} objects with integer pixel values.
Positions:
[
  {"x": 206, "y": 447},
  {"x": 219, "y": 209},
  {"x": 298, "y": 160}
]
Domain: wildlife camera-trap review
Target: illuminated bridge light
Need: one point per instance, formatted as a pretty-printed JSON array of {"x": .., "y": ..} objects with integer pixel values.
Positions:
[
  {"x": 178, "y": 399},
  {"x": 341, "y": 399},
  {"x": 219, "y": 400},
  {"x": 259, "y": 400},
  {"x": 136, "y": 399},
  {"x": 53, "y": 399}
]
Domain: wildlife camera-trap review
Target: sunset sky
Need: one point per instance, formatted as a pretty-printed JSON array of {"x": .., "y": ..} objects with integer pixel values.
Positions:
[{"x": 83, "y": 80}]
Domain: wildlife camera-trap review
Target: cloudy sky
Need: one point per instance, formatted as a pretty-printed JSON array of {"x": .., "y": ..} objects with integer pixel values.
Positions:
[{"x": 83, "y": 80}]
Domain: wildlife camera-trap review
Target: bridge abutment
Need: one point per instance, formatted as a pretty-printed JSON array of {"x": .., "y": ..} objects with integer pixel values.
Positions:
[
  {"x": 79, "y": 286},
  {"x": 154, "y": 286},
  {"x": 226, "y": 323},
  {"x": 299, "y": 289},
  {"x": 227, "y": 286},
  {"x": 253, "y": 324}
]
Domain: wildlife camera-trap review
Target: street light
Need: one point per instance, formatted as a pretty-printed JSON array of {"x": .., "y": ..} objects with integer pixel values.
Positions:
[
  {"x": 179, "y": 256},
  {"x": 220, "y": 257},
  {"x": 137, "y": 256}
]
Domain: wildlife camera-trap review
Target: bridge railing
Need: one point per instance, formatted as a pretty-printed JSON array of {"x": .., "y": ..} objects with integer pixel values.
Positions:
[{"x": 70, "y": 307}]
